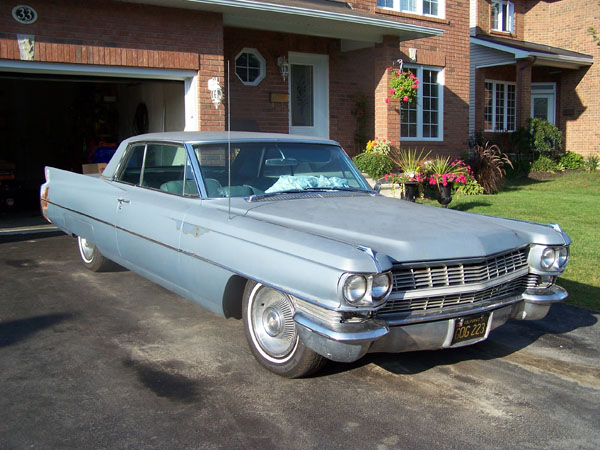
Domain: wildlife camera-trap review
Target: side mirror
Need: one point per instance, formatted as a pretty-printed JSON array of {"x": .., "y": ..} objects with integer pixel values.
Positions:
[{"x": 377, "y": 187}]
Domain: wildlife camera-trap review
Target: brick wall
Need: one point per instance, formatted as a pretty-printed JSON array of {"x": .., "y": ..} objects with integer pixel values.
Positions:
[
  {"x": 253, "y": 105},
  {"x": 124, "y": 35},
  {"x": 450, "y": 51},
  {"x": 564, "y": 24}
]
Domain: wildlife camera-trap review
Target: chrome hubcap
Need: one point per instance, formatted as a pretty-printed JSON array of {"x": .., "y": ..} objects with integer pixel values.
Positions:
[
  {"x": 273, "y": 326},
  {"x": 272, "y": 322},
  {"x": 86, "y": 249}
]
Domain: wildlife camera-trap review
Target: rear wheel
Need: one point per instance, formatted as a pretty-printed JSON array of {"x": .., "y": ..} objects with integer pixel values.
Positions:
[
  {"x": 91, "y": 256},
  {"x": 272, "y": 335}
]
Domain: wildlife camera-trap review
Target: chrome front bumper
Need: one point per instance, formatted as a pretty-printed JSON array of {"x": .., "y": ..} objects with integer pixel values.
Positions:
[{"x": 347, "y": 342}]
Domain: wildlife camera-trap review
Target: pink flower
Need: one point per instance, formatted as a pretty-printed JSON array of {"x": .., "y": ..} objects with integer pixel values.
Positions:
[
  {"x": 392, "y": 91},
  {"x": 415, "y": 86},
  {"x": 412, "y": 77},
  {"x": 405, "y": 99},
  {"x": 387, "y": 99},
  {"x": 390, "y": 68},
  {"x": 386, "y": 176}
]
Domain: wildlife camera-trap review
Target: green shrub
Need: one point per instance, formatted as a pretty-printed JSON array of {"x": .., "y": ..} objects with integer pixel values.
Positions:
[
  {"x": 545, "y": 137},
  {"x": 572, "y": 161},
  {"x": 471, "y": 187},
  {"x": 544, "y": 164},
  {"x": 376, "y": 165}
]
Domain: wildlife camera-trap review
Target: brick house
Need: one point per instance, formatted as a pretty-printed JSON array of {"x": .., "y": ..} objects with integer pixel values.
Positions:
[
  {"x": 534, "y": 58},
  {"x": 75, "y": 75}
]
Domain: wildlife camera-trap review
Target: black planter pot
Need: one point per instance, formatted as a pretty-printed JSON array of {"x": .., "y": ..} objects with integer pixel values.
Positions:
[
  {"x": 411, "y": 190},
  {"x": 444, "y": 194}
]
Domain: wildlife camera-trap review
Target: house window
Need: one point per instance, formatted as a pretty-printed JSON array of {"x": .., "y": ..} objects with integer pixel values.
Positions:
[
  {"x": 503, "y": 12},
  {"x": 422, "y": 7},
  {"x": 500, "y": 106},
  {"x": 250, "y": 67},
  {"x": 422, "y": 120}
]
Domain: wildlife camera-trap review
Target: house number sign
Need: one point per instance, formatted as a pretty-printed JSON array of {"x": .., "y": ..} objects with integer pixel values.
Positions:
[{"x": 24, "y": 14}]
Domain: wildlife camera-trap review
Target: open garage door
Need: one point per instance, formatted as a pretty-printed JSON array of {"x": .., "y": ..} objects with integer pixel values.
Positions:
[{"x": 69, "y": 119}]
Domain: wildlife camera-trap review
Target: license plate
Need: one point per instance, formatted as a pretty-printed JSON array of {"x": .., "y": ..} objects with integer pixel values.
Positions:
[{"x": 469, "y": 328}]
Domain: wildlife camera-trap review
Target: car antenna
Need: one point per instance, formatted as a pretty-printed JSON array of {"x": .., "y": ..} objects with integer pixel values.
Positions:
[{"x": 228, "y": 145}]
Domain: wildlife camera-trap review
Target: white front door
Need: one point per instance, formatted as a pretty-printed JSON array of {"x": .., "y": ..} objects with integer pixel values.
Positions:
[{"x": 309, "y": 94}]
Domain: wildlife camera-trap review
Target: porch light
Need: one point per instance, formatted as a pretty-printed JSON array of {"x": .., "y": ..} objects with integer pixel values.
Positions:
[
  {"x": 216, "y": 92},
  {"x": 284, "y": 67}
]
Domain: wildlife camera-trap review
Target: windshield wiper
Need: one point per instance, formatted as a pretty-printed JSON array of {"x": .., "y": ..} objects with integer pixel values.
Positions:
[
  {"x": 308, "y": 189},
  {"x": 333, "y": 188}
]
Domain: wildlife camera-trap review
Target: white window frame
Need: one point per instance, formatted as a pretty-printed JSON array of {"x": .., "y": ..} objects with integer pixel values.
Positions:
[
  {"x": 503, "y": 5},
  {"x": 397, "y": 6},
  {"x": 418, "y": 71},
  {"x": 494, "y": 128},
  {"x": 262, "y": 66}
]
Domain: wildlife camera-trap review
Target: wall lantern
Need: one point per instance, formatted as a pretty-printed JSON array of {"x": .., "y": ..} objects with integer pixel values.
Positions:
[
  {"x": 216, "y": 92},
  {"x": 284, "y": 67}
]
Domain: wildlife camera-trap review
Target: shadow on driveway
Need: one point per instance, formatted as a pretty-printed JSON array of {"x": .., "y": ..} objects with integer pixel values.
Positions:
[{"x": 19, "y": 330}]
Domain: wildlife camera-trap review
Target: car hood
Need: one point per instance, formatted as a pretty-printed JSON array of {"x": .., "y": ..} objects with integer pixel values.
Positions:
[{"x": 402, "y": 230}]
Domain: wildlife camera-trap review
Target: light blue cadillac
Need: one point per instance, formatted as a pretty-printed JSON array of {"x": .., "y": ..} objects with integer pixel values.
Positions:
[{"x": 283, "y": 232}]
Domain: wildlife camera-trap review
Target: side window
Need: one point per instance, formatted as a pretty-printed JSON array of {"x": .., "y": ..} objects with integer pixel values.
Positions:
[
  {"x": 132, "y": 171},
  {"x": 166, "y": 168},
  {"x": 160, "y": 166}
]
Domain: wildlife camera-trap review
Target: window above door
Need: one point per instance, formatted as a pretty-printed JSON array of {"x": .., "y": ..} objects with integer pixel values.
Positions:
[
  {"x": 434, "y": 8},
  {"x": 503, "y": 16}
]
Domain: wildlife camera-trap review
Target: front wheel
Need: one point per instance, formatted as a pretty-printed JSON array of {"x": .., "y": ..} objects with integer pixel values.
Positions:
[
  {"x": 91, "y": 256},
  {"x": 272, "y": 335}
]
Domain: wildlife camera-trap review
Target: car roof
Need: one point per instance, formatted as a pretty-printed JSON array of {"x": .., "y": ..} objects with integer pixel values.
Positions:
[{"x": 193, "y": 137}]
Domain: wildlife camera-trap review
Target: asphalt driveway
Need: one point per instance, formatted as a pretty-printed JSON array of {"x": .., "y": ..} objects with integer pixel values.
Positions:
[{"x": 111, "y": 360}]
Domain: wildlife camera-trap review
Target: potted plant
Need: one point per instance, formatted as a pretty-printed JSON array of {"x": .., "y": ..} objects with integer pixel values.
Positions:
[
  {"x": 442, "y": 174},
  {"x": 403, "y": 85},
  {"x": 411, "y": 175}
]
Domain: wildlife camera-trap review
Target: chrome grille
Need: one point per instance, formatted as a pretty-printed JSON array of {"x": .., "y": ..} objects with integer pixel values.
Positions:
[
  {"x": 445, "y": 275},
  {"x": 439, "y": 302}
]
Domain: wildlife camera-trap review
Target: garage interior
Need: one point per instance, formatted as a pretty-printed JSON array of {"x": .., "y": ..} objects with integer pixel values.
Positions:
[{"x": 67, "y": 121}]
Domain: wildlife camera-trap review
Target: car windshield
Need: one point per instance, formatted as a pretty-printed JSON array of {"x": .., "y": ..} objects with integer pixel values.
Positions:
[{"x": 272, "y": 168}]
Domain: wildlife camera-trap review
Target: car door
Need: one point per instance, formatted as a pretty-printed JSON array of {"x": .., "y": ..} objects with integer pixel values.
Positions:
[{"x": 158, "y": 186}]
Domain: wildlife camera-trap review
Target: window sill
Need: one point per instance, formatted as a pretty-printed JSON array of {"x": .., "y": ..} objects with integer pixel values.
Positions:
[
  {"x": 502, "y": 33},
  {"x": 417, "y": 139},
  {"x": 391, "y": 12}
]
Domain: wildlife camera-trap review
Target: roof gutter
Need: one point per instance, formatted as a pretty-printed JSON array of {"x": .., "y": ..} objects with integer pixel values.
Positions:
[
  {"x": 321, "y": 14},
  {"x": 538, "y": 57}
]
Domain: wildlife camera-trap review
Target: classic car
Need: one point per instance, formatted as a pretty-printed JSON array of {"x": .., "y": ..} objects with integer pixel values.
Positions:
[{"x": 283, "y": 232}]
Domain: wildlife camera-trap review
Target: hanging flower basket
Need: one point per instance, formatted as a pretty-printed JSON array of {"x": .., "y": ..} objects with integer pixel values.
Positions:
[{"x": 403, "y": 85}]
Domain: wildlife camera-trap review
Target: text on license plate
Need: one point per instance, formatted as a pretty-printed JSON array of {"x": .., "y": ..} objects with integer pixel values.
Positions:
[{"x": 470, "y": 327}]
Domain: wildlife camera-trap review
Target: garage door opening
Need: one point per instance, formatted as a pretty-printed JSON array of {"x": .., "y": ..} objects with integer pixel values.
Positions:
[{"x": 67, "y": 121}]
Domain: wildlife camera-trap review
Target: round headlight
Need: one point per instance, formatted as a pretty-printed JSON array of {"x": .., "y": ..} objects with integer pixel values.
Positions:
[
  {"x": 548, "y": 258},
  {"x": 355, "y": 288},
  {"x": 563, "y": 256},
  {"x": 381, "y": 286}
]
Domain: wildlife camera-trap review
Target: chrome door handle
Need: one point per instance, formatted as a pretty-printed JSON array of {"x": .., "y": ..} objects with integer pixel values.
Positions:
[{"x": 123, "y": 200}]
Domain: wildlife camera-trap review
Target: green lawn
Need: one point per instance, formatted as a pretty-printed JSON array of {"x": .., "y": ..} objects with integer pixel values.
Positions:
[{"x": 572, "y": 201}]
